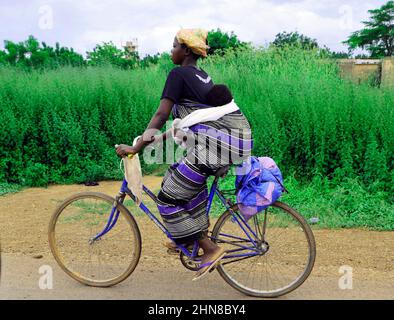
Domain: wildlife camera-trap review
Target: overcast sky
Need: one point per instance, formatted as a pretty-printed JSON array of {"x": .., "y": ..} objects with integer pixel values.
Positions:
[{"x": 82, "y": 24}]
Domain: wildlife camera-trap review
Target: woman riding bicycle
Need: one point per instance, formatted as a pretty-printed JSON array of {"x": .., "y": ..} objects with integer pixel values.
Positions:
[{"x": 183, "y": 197}]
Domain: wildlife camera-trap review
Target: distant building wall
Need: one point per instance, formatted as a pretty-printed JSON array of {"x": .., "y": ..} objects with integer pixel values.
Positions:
[
  {"x": 360, "y": 70},
  {"x": 388, "y": 72}
]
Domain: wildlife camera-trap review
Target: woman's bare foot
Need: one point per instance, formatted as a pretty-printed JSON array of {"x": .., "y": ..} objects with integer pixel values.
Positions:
[
  {"x": 210, "y": 249},
  {"x": 211, "y": 257}
]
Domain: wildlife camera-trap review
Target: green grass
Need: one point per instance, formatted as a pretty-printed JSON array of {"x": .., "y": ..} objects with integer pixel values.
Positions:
[
  {"x": 347, "y": 205},
  {"x": 6, "y": 188}
]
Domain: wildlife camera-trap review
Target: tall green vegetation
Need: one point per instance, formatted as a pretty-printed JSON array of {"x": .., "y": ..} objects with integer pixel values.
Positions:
[
  {"x": 60, "y": 126},
  {"x": 310, "y": 120}
]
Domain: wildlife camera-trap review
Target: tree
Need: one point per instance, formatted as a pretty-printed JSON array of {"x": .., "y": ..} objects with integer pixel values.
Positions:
[
  {"x": 30, "y": 54},
  {"x": 149, "y": 60},
  {"x": 2, "y": 57},
  {"x": 378, "y": 35},
  {"x": 62, "y": 56},
  {"x": 218, "y": 41},
  {"x": 17, "y": 52},
  {"x": 108, "y": 53},
  {"x": 294, "y": 39}
]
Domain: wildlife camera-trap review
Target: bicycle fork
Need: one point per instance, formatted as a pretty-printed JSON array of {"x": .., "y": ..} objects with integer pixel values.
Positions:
[{"x": 113, "y": 218}]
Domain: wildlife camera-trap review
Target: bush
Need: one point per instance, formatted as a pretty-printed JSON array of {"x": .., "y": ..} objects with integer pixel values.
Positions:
[{"x": 36, "y": 175}]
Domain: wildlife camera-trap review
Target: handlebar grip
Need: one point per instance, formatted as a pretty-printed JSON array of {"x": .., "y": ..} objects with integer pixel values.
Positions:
[{"x": 130, "y": 156}]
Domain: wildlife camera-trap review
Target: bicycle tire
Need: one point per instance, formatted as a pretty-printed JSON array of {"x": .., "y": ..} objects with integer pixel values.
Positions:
[
  {"x": 311, "y": 260},
  {"x": 125, "y": 214}
]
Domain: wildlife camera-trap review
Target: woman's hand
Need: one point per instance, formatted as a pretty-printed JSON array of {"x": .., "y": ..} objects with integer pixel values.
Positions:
[{"x": 124, "y": 150}]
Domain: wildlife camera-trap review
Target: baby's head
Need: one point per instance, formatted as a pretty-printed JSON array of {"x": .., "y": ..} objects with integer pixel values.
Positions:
[{"x": 219, "y": 95}]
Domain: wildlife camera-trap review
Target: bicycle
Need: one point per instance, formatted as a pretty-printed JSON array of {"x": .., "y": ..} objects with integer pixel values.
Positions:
[{"x": 249, "y": 244}]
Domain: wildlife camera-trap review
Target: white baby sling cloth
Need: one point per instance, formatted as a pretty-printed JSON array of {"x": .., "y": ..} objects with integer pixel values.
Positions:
[
  {"x": 132, "y": 166},
  {"x": 200, "y": 116}
]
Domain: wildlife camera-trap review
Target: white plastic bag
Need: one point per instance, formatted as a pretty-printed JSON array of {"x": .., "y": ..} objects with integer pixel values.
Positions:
[{"x": 133, "y": 175}]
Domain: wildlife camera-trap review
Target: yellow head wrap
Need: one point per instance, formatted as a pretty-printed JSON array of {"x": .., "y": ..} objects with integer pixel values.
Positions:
[{"x": 195, "y": 39}]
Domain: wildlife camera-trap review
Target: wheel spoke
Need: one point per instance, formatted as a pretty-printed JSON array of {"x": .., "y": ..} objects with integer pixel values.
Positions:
[
  {"x": 287, "y": 253},
  {"x": 106, "y": 261}
]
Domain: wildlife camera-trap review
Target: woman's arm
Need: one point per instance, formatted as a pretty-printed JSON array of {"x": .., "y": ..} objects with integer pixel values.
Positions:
[
  {"x": 157, "y": 122},
  {"x": 163, "y": 137}
]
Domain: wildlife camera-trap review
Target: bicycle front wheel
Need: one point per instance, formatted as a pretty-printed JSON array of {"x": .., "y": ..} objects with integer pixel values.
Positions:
[
  {"x": 282, "y": 257},
  {"x": 95, "y": 261}
]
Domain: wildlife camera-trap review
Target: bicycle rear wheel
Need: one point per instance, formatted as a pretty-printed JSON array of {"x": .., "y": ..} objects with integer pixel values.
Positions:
[
  {"x": 286, "y": 251},
  {"x": 101, "y": 262}
]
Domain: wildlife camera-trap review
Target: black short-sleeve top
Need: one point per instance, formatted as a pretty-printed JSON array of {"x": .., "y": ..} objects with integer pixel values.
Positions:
[{"x": 189, "y": 83}]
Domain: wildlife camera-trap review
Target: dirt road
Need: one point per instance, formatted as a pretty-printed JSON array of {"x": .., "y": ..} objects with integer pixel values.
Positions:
[{"x": 23, "y": 229}]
